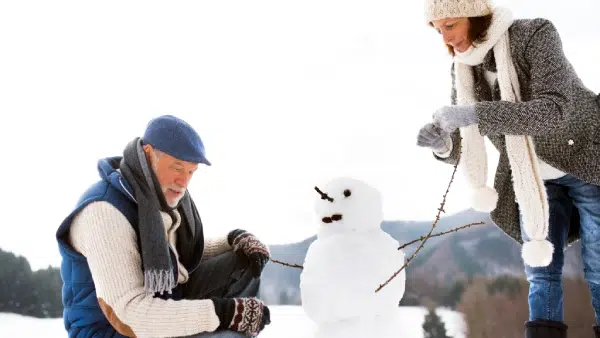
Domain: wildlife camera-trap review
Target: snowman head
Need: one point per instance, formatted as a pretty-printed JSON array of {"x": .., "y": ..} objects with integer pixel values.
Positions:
[{"x": 347, "y": 205}]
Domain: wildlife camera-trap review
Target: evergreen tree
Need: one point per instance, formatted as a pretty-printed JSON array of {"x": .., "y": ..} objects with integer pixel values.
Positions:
[
  {"x": 26, "y": 292},
  {"x": 433, "y": 325}
]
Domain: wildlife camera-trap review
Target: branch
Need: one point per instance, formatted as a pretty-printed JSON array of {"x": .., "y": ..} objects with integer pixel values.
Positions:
[
  {"x": 323, "y": 195},
  {"x": 287, "y": 264},
  {"x": 440, "y": 234},
  {"x": 433, "y": 225},
  {"x": 400, "y": 248}
]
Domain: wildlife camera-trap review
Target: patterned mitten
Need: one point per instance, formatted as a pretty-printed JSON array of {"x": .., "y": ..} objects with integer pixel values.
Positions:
[
  {"x": 245, "y": 315},
  {"x": 247, "y": 244}
]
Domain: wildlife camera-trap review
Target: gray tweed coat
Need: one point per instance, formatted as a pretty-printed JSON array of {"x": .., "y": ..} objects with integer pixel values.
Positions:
[{"x": 558, "y": 111}]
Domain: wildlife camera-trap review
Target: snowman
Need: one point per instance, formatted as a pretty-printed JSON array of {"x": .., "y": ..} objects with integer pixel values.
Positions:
[{"x": 349, "y": 259}]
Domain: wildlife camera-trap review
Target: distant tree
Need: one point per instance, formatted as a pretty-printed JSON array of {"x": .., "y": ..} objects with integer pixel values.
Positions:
[
  {"x": 15, "y": 284},
  {"x": 491, "y": 306},
  {"x": 495, "y": 307},
  {"x": 579, "y": 313},
  {"x": 508, "y": 285},
  {"x": 433, "y": 326},
  {"x": 453, "y": 294},
  {"x": 420, "y": 290},
  {"x": 22, "y": 291},
  {"x": 48, "y": 284}
]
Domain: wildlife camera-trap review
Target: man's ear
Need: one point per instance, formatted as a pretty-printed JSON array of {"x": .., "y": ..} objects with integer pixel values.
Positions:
[{"x": 147, "y": 149}]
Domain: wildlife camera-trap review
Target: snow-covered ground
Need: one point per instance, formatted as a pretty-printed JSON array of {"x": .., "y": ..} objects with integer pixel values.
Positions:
[{"x": 287, "y": 321}]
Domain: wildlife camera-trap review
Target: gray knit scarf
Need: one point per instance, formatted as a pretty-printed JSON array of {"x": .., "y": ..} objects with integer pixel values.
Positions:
[{"x": 160, "y": 274}]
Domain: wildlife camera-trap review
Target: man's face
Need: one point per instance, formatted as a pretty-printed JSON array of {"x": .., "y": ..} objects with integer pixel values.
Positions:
[{"x": 172, "y": 174}]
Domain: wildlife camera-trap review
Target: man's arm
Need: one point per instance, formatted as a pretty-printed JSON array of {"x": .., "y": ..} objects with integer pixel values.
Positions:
[
  {"x": 104, "y": 236},
  {"x": 215, "y": 246}
]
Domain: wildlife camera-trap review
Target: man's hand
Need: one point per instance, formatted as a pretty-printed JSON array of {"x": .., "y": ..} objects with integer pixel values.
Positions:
[
  {"x": 245, "y": 315},
  {"x": 247, "y": 244},
  {"x": 450, "y": 118}
]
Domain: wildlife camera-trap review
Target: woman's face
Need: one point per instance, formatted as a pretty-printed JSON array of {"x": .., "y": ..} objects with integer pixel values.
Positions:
[{"x": 455, "y": 32}]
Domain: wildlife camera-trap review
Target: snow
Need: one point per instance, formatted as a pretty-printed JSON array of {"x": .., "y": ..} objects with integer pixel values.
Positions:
[
  {"x": 350, "y": 258},
  {"x": 341, "y": 274},
  {"x": 287, "y": 321}
]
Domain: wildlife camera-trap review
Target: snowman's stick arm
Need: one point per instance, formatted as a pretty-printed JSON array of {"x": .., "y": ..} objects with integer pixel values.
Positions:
[
  {"x": 287, "y": 264},
  {"x": 400, "y": 248},
  {"x": 437, "y": 218},
  {"x": 439, "y": 234}
]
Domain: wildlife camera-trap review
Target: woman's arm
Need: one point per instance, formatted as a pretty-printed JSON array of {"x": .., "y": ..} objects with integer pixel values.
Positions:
[{"x": 551, "y": 77}]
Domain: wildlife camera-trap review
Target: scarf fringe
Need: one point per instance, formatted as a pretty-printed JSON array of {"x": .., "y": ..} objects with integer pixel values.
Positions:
[
  {"x": 159, "y": 281},
  {"x": 528, "y": 184}
]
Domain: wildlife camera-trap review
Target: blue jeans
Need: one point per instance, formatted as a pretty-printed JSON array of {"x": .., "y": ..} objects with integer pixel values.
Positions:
[{"x": 545, "y": 283}]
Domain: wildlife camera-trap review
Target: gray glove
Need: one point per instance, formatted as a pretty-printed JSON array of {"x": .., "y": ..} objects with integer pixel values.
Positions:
[
  {"x": 435, "y": 138},
  {"x": 450, "y": 118}
]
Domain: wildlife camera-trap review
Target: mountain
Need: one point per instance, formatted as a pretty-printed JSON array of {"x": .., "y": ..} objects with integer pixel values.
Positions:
[{"x": 478, "y": 250}]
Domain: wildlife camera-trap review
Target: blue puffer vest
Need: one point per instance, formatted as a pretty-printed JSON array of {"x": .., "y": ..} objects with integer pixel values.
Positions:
[{"x": 83, "y": 317}]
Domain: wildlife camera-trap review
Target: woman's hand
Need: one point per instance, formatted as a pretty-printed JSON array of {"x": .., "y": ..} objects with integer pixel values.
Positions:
[
  {"x": 450, "y": 118},
  {"x": 435, "y": 138}
]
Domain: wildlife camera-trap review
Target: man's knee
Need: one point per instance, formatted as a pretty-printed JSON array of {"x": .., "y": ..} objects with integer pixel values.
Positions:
[{"x": 243, "y": 283}]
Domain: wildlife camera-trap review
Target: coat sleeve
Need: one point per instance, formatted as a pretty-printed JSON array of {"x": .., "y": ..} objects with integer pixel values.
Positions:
[
  {"x": 215, "y": 246},
  {"x": 551, "y": 78},
  {"x": 452, "y": 156},
  {"x": 103, "y": 235}
]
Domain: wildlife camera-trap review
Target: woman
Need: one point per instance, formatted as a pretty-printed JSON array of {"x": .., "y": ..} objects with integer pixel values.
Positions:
[{"x": 512, "y": 83}]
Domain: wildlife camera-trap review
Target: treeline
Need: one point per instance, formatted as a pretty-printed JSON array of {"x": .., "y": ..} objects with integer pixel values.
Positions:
[
  {"x": 26, "y": 292},
  {"x": 423, "y": 292},
  {"x": 498, "y": 307}
]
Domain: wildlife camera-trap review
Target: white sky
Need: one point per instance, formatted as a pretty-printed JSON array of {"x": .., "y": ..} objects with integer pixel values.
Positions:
[{"x": 285, "y": 95}]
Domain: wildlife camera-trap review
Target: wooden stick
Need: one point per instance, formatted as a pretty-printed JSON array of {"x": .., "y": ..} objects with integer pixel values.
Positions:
[
  {"x": 433, "y": 225},
  {"x": 440, "y": 234},
  {"x": 287, "y": 264},
  {"x": 401, "y": 247}
]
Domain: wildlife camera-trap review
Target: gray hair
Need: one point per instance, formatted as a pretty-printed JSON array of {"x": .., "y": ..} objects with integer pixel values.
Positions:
[{"x": 155, "y": 156}]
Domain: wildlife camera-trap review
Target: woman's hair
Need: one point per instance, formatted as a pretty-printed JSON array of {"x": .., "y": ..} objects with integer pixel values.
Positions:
[{"x": 478, "y": 29}]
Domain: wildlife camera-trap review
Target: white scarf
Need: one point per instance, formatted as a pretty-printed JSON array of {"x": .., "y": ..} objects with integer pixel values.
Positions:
[{"x": 527, "y": 182}]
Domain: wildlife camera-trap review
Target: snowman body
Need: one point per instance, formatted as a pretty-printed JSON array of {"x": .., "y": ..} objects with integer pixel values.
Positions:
[{"x": 349, "y": 259}]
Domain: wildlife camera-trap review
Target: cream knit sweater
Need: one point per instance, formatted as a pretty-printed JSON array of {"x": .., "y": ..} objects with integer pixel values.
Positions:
[{"x": 104, "y": 236}]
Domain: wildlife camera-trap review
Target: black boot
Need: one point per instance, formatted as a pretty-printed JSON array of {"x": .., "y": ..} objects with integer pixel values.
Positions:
[
  {"x": 597, "y": 331},
  {"x": 546, "y": 329}
]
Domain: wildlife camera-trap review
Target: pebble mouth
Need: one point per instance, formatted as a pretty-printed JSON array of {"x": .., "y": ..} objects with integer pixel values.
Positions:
[{"x": 334, "y": 217}]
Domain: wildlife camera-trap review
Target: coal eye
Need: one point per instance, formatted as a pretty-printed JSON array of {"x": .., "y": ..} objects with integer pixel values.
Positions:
[{"x": 347, "y": 193}]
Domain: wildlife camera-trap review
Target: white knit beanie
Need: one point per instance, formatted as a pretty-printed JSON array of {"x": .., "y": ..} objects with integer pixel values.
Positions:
[{"x": 442, "y": 9}]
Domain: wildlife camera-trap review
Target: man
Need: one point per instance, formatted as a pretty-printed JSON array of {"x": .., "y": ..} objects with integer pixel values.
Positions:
[{"x": 134, "y": 259}]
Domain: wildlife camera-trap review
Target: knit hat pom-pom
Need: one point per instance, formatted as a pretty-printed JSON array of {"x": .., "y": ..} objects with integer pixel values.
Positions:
[
  {"x": 484, "y": 199},
  {"x": 537, "y": 253}
]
